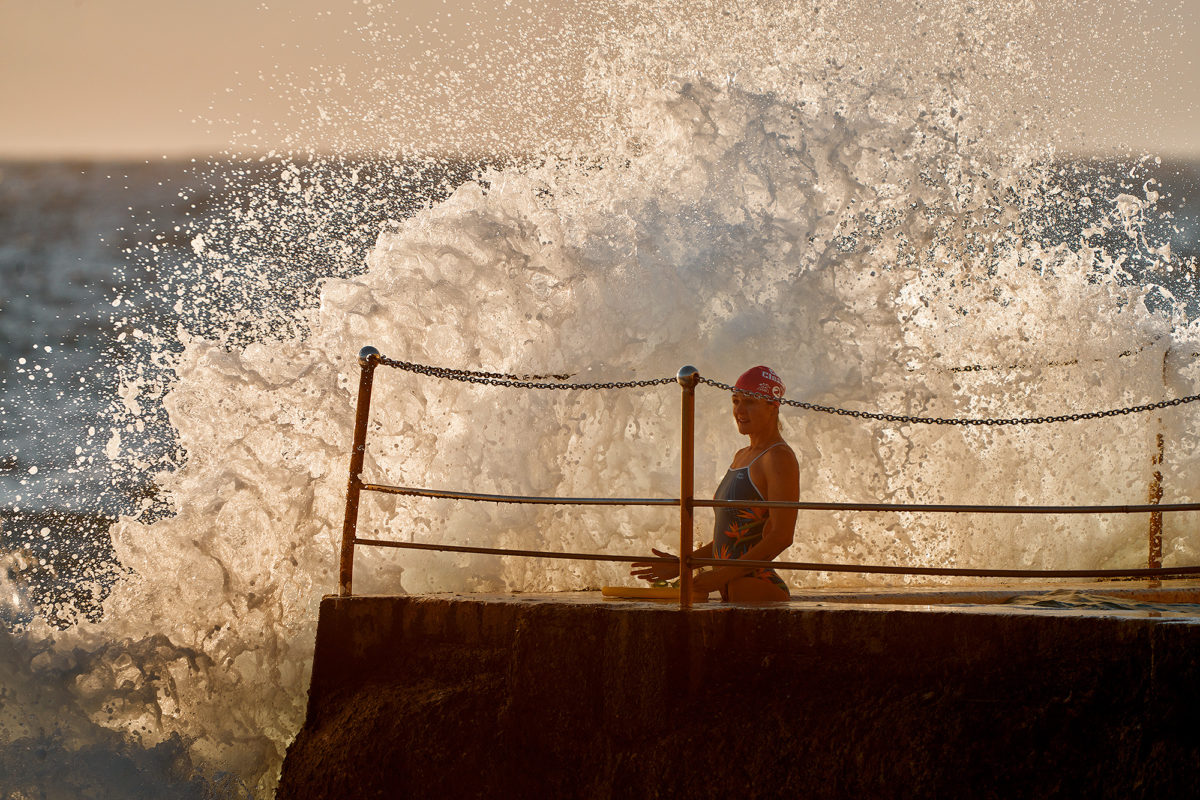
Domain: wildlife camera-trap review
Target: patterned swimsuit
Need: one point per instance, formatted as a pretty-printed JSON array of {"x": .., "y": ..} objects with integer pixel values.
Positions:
[{"x": 739, "y": 529}]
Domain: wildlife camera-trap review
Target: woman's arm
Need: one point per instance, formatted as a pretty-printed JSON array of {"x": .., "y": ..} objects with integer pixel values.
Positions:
[
  {"x": 781, "y": 476},
  {"x": 654, "y": 571}
]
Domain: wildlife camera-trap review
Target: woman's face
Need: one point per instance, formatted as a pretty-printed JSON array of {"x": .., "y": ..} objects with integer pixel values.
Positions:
[{"x": 753, "y": 414}]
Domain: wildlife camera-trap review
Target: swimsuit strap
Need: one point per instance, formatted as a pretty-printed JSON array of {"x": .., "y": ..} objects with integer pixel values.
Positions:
[{"x": 760, "y": 455}]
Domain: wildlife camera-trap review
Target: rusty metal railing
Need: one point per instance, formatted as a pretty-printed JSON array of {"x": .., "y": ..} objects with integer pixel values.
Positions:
[{"x": 688, "y": 378}]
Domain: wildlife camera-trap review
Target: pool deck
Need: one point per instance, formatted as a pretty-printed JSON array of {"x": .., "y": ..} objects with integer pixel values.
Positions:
[{"x": 867, "y": 693}]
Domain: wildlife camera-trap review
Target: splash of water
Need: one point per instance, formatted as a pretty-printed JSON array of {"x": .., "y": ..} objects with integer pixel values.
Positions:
[{"x": 760, "y": 186}]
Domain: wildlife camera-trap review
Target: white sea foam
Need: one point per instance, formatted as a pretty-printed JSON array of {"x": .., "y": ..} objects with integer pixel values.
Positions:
[{"x": 852, "y": 228}]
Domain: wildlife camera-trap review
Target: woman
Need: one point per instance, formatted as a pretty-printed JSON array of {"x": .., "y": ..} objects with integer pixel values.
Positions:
[{"x": 764, "y": 470}]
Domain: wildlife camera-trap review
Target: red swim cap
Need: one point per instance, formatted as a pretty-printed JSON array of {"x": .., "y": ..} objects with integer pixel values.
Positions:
[{"x": 761, "y": 380}]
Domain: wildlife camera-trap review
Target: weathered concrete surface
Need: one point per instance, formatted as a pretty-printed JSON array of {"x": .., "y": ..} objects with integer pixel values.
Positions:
[{"x": 562, "y": 696}]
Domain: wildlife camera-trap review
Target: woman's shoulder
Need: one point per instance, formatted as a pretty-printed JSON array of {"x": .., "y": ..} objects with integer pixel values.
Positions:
[
  {"x": 777, "y": 473},
  {"x": 781, "y": 455}
]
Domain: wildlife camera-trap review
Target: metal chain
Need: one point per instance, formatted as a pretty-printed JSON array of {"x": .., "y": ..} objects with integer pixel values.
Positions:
[
  {"x": 516, "y": 381},
  {"x": 845, "y": 412},
  {"x": 538, "y": 382}
]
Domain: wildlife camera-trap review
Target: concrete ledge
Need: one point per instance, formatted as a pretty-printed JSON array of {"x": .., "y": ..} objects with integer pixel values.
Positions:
[{"x": 572, "y": 696}]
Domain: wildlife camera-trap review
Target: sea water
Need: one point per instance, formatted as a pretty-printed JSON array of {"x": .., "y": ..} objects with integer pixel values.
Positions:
[{"x": 873, "y": 209}]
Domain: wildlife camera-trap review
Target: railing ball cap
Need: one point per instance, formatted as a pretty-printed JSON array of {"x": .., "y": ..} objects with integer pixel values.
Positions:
[
  {"x": 368, "y": 356},
  {"x": 687, "y": 376}
]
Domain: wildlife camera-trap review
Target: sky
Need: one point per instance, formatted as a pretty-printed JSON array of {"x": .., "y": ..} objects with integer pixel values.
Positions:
[{"x": 140, "y": 78}]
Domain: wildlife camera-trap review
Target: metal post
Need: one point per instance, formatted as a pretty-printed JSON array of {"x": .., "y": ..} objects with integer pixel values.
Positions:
[
  {"x": 1154, "y": 557},
  {"x": 368, "y": 357},
  {"x": 688, "y": 377},
  {"x": 1154, "y": 561}
]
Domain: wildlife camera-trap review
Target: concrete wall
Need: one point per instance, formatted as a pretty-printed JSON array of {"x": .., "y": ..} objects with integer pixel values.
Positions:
[{"x": 564, "y": 696}]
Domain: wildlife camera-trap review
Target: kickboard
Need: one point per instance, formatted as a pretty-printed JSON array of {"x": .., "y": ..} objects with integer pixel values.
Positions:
[{"x": 641, "y": 592}]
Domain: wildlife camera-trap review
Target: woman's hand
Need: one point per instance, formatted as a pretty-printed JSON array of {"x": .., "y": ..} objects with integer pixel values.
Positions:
[{"x": 652, "y": 571}]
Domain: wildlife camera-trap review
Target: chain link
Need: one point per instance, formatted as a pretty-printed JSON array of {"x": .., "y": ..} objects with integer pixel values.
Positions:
[
  {"x": 901, "y": 418},
  {"x": 515, "y": 381}
]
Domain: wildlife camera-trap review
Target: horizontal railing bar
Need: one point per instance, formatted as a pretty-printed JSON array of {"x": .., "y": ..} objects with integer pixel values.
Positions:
[
  {"x": 508, "y": 498},
  {"x": 796, "y": 565},
  {"x": 957, "y": 509},
  {"x": 950, "y": 571},
  {"x": 1144, "y": 508},
  {"x": 502, "y": 551}
]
